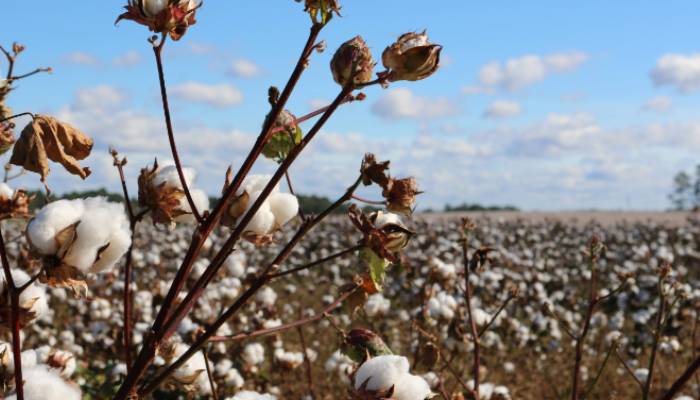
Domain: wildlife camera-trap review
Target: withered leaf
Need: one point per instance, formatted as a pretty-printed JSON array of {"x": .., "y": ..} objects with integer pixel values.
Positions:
[{"x": 49, "y": 139}]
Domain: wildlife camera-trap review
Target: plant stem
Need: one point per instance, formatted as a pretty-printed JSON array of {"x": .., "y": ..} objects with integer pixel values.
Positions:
[
  {"x": 307, "y": 361},
  {"x": 158, "y": 50},
  {"x": 16, "y": 116},
  {"x": 315, "y": 263},
  {"x": 14, "y": 319},
  {"x": 374, "y": 202},
  {"x": 214, "y": 395},
  {"x": 472, "y": 323},
  {"x": 655, "y": 342},
  {"x": 682, "y": 380}
]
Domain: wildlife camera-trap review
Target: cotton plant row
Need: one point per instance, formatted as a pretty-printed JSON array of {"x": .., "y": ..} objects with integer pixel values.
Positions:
[{"x": 81, "y": 244}]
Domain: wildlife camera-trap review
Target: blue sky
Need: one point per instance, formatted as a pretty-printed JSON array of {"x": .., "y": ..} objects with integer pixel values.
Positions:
[{"x": 544, "y": 105}]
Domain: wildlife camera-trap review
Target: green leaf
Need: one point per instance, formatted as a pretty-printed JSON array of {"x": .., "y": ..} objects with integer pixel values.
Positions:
[{"x": 377, "y": 266}]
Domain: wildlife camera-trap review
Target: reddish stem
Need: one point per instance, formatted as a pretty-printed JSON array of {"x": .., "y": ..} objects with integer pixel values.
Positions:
[
  {"x": 472, "y": 323},
  {"x": 14, "y": 319}
]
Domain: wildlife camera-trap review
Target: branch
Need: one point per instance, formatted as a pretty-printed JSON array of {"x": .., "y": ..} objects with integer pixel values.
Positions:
[
  {"x": 214, "y": 395},
  {"x": 14, "y": 319},
  {"x": 157, "y": 50},
  {"x": 315, "y": 263},
  {"x": 472, "y": 323},
  {"x": 628, "y": 369},
  {"x": 500, "y": 309}
]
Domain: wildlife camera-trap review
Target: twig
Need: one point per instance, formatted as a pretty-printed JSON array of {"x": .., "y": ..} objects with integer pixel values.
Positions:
[
  {"x": 158, "y": 50},
  {"x": 315, "y": 263},
  {"x": 214, "y": 395},
  {"x": 367, "y": 201},
  {"x": 628, "y": 369},
  {"x": 471, "y": 323},
  {"x": 613, "y": 348},
  {"x": 17, "y": 115},
  {"x": 655, "y": 342},
  {"x": 493, "y": 319},
  {"x": 307, "y": 361}
]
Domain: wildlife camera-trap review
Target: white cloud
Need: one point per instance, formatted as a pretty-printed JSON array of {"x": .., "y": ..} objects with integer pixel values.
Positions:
[
  {"x": 244, "y": 68},
  {"x": 520, "y": 72},
  {"x": 81, "y": 58},
  {"x": 402, "y": 103},
  {"x": 678, "y": 70},
  {"x": 502, "y": 109},
  {"x": 127, "y": 59},
  {"x": 102, "y": 97},
  {"x": 658, "y": 103},
  {"x": 216, "y": 95},
  {"x": 315, "y": 104}
]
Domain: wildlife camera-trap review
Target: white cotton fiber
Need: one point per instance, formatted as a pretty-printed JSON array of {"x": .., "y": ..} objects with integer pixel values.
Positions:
[
  {"x": 253, "y": 354},
  {"x": 41, "y": 383},
  {"x": 256, "y": 183},
  {"x": 29, "y": 358},
  {"x": 411, "y": 387},
  {"x": 6, "y": 191},
  {"x": 101, "y": 223},
  {"x": 201, "y": 201},
  {"x": 168, "y": 175},
  {"x": 284, "y": 206},
  {"x": 235, "y": 264},
  {"x": 264, "y": 220},
  {"x": 384, "y": 218},
  {"x": 51, "y": 219},
  {"x": 195, "y": 365},
  {"x": 33, "y": 297},
  {"x": 266, "y": 296},
  {"x": 381, "y": 372},
  {"x": 249, "y": 395}
]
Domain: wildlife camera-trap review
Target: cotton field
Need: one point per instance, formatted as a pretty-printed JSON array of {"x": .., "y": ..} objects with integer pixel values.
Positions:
[{"x": 526, "y": 297}]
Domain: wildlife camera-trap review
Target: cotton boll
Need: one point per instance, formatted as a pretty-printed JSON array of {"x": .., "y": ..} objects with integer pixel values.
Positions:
[
  {"x": 201, "y": 201},
  {"x": 169, "y": 176},
  {"x": 284, "y": 206},
  {"x": 411, "y": 387},
  {"x": 266, "y": 296},
  {"x": 235, "y": 264},
  {"x": 249, "y": 395},
  {"x": 33, "y": 298},
  {"x": 29, "y": 358},
  {"x": 51, "y": 219},
  {"x": 264, "y": 220},
  {"x": 256, "y": 183},
  {"x": 41, "y": 383},
  {"x": 195, "y": 366},
  {"x": 381, "y": 373},
  {"x": 6, "y": 191},
  {"x": 384, "y": 218},
  {"x": 253, "y": 354},
  {"x": 376, "y": 304}
]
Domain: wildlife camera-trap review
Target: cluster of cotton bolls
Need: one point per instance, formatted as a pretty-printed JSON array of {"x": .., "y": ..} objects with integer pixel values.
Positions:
[
  {"x": 166, "y": 177},
  {"x": 544, "y": 261}
]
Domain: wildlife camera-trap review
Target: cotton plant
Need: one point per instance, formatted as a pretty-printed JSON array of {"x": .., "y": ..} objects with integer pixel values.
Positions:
[
  {"x": 162, "y": 194},
  {"x": 191, "y": 376},
  {"x": 275, "y": 212},
  {"x": 78, "y": 237}
]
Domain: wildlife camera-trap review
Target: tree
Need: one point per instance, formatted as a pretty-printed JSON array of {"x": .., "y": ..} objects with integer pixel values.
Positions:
[
  {"x": 681, "y": 196},
  {"x": 696, "y": 187}
]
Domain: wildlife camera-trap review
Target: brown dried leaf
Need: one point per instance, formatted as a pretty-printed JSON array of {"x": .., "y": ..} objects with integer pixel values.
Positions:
[
  {"x": 48, "y": 139},
  {"x": 65, "y": 276}
]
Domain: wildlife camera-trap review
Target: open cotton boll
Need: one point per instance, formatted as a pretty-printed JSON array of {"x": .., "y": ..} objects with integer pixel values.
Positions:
[
  {"x": 284, "y": 206},
  {"x": 235, "y": 264},
  {"x": 102, "y": 223},
  {"x": 29, "y": 359},
  {"x": 168, "y": 175},
  {"x": 201, "y": 201},
  {"x": 6, "y": 191},
  {"x": 41, "y": 383},
  {"x": 33, "y": 298},
  {"x": 381, "y": 373},
  {"x": 411, "y": 387},
  {"x": 253, "y": 354},
  {"x": 195, "y": 366},
  {"x": 266, "y": 296},
  {"x": 264, "y": 220},
  {"x": 384, "y": 218},
  {"x": 256, "y": 183},
  {"x": 51, "y": 219},
  {"x": 250, "y": 395}
]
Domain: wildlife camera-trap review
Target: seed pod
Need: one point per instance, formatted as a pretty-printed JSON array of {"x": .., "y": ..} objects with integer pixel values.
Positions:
[
  {"x": 283, "y": 141},
  {"x": 411, "y": 58},
  {"x": 173, "y": 17},
  {"x": 359, "y": 344},
  {"x": 352, "y": 59}
]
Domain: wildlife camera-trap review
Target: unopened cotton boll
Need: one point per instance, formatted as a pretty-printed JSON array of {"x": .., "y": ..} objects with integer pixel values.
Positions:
[
  {"x": 250, "y": 395},
  {"x": 41, "y": 383}
]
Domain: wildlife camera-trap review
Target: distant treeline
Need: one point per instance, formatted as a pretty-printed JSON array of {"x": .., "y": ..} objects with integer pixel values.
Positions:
[
  {"x": 685, "y": 194},
  {"x": 310, "y": 204}
]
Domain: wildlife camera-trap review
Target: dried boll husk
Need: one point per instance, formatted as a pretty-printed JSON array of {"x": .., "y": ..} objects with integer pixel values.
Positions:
[
  {"x": 46, "y": 138},
  {"x": 411, "y": 58},
  {"x": 162, "y": 16}
]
